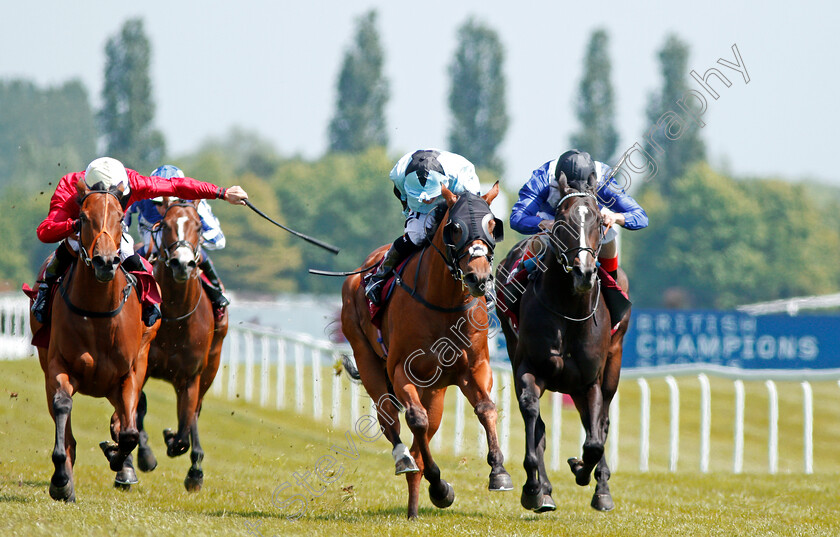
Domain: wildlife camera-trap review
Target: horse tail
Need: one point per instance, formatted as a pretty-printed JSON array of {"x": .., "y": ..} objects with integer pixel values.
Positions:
[{"x": 350, "y": 367}]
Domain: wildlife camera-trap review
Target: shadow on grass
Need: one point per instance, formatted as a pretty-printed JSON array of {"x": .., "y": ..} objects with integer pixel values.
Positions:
[{"x": 360, "y": 516}]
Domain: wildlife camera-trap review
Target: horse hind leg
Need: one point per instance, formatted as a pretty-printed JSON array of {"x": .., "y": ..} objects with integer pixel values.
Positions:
[
  {"x": 125, "y": 476},
  {"x": 593, "y": 446},
  {"x": 146, "y": 460}
]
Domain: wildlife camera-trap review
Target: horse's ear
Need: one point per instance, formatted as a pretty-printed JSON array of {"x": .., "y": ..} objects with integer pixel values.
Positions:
[
  {"x": 492, "y": 193},
  {"x": 448, "y": 195},
  {"x": 562, "y": 184},
  {"x": 81, "y": 188}
]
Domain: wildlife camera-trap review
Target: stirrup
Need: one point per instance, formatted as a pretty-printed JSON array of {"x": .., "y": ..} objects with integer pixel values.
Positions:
[
  {"x": 39, "y": 306},
  {"x": 374, "y": 290}
]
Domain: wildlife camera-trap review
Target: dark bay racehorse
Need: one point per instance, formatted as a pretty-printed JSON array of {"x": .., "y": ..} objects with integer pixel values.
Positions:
[
  {"x": 98, "y": 344},
  {"x": 435, "y": 331},
  {"x": 188, "y": 346},
  {"x": 565, "y": 345}
]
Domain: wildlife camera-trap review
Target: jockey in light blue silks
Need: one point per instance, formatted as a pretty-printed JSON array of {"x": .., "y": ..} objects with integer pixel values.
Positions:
[
  {"x": 417, "y": 179},
  {"x": 148, "y": 214}
]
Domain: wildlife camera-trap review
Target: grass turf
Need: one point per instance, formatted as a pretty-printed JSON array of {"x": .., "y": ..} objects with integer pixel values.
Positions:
[{"x": 250, "y": 451}]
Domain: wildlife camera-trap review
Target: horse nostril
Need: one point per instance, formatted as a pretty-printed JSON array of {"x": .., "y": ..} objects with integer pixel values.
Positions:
[
  {"x": 470, "y": 279},
  {"x": 191, "y": 264}
]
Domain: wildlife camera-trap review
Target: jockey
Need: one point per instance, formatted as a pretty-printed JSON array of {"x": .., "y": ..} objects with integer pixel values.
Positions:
[
  {"x": 534, "y": 212},
  {"x": 148, "y": 214},
  {"x": 417, "y": 178},
  {"x": 103, "y": 174}
]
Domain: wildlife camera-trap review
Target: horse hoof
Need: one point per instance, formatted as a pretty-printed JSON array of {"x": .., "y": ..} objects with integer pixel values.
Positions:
[
  {"x": 444, "y": 501},
  {"x": 174, "y": 448},
  {"x": 194, "y": 480},
  {"x": 64, "y": 493},
  {"x": 406, "y": 465},
  {"x": 602, "y": 502},
  {"x": 531, "y": 502},
  {"x": 125, "y": 477},
  {"x": 500, "y": 482},
  {"x": 125, "y": 487},
  {"x": 146, "y": 460},
  {"x": 581, "y": 478},
  {"x": 547, "y": 505}
]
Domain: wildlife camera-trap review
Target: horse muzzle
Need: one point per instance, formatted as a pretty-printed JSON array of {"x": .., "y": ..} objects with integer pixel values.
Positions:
[
  {"x": 477, "y": 284},
  {"x": 105, "y": 267},
  {"x": 584, "y": 279}
]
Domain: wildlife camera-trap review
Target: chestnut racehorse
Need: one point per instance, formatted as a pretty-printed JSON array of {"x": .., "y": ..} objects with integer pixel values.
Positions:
[
  {"x": 433, "y": 335},
  {"x": 188, "y": 346},
  {"x": 564, "y": 345},
  {"x": 98, "y": 343}
]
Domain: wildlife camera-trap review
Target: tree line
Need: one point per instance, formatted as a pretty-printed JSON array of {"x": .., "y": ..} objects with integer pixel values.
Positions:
[{"x": 714, "y": 240}]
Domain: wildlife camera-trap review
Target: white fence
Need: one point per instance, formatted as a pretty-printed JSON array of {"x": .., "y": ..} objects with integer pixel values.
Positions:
[
  {"x": 15, "y": 335},
  {"x": 265, "y": 358},
  {"x": 270, "y": 356}
]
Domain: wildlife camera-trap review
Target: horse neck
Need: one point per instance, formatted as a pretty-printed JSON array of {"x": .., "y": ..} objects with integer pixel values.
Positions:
[
  {"x": 558, "y": 285},
  {"x": 438, "y": 286},
  {"x": 177, "y": 298},
  {"x": 86, "y": 292}
]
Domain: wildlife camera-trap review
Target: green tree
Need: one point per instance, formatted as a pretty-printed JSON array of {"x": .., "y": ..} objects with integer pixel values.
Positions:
[
  {"x": 359, "y": 121},
  {"x": 344, "y": 199},
  {"x": 51, "y": 129},
  {"x": 594, "y": 104},
  {"x": 128, "y": 107},
  {"x": 477, "y": 96},
  {"x": 672, "y": 138},
  {"x": 724, "y": 242}
]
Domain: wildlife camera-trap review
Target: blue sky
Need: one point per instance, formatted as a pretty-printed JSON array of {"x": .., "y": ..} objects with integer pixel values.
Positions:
[{"x": 271, "y": 67}]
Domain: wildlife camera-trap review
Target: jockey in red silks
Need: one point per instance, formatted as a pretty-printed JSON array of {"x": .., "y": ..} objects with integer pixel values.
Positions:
[{"x": 106, "y": 173}]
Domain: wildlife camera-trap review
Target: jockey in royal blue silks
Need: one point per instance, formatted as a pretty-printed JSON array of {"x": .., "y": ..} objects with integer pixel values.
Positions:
[
  {"x": 149, "y": 213},
  {"x": 417, "y": 178},
  {"x": 534, "y": 212}
]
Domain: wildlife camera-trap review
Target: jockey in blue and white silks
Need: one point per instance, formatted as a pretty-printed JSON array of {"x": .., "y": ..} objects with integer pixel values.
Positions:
[
  {"x": 148, "y": 214},
  {"x": 417, "y": 178},
  {"x": 538, "y": 198}
]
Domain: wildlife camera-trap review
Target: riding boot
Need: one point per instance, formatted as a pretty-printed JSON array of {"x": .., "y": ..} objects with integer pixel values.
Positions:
[
  {"x": 151, "y": 311},
  {"x": 373, "y": 289},
  {"x": 213, "y": 287},
  {"x": 59, "y": 263}
]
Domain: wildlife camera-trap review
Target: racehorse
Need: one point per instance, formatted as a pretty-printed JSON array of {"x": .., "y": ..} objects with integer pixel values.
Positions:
[
  {"x": 188, "y": 346},
  {"x": 564, "y": 344},
  {"x": 98, "y": 344},
  {"x": 433, "y": 335}
]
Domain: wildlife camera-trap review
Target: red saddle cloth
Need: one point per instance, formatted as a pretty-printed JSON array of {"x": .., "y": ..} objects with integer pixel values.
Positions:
[{"x": 387, "y": 291}]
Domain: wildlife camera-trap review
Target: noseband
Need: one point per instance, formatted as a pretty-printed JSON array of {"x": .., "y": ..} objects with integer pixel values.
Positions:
[{"x": 566, "y": 257}]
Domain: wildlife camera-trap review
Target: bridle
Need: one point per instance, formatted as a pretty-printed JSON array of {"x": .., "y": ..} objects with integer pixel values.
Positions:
[
  {"x": 566, "y": 256},
  {"x": 472, "y": 215},
  {"x": 83, "y": 253},
  {"x": 167, "y": 250}
]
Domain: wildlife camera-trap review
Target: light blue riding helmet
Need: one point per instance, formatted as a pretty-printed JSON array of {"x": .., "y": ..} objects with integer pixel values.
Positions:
[{"x": 167, "y": 171}]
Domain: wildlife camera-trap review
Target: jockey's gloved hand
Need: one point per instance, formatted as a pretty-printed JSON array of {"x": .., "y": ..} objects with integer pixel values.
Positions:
[{"x": 236, "y": 195}]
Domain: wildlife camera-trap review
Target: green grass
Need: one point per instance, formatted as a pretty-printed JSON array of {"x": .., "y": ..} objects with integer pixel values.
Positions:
[{"x": 251, "y": 450}]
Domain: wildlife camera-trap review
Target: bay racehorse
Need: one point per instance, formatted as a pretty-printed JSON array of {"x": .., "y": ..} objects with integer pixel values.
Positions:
[
  {"x": 98, "y": 345},
  {"x": 564, "y": 343},
  {"x": 188, "y": 346},
  {"x": 433, "y": 335}
]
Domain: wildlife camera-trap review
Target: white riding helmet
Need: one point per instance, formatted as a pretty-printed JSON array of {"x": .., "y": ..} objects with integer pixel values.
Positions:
[{"x": 106, "y": 173}]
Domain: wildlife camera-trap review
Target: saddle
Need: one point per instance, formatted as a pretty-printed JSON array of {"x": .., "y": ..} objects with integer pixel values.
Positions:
[{"x": 387, "y": 289}]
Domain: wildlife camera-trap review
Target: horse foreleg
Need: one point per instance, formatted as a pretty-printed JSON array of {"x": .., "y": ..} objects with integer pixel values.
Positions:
[
  {"x": 476, "y": 387},
  {"x": 440, "y": 492},
  {"x": 591, "y": 416},
  {"x": 60, "y": 392},
  {"x": 124, "y": 428},
  {"x": 146, "y": 460},
  {"x": 528, "y": 392},
  {"x": 195, "y": 475}
]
